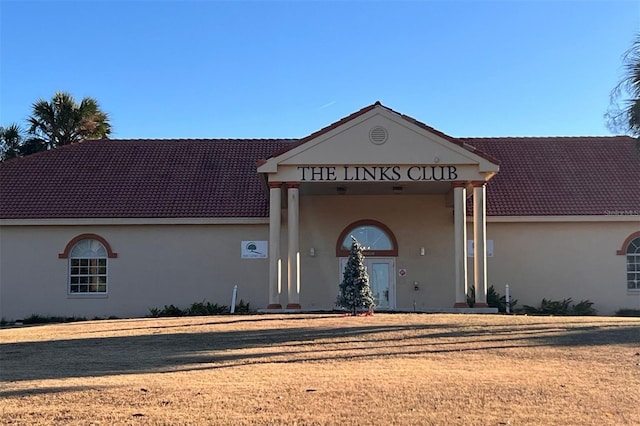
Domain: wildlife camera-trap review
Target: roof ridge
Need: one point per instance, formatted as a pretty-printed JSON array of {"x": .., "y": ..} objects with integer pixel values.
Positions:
[
  {"x": 544, "y": 137},
  {"x": 189, "y": 139}
]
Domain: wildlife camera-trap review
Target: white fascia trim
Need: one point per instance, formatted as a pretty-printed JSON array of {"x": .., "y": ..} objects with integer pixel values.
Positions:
[
  {"x": 619, "y": 217},
  {"x": 140, "y": 221}
]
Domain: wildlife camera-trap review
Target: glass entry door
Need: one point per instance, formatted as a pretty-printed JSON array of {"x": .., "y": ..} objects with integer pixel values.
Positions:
[{"x": 381, "y": 273}]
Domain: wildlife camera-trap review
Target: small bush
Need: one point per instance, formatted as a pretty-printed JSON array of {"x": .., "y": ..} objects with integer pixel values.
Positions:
[
  {"x": 628, "y": 312},
  {"x": 202, "y": 308},
  {"x": 583, "y": 308},
  {"x": 199, "y": 309},
  {"x": 561, "y": 307},
  {"x": 40, "y": 319},
  {"x": 242, "y": 308}
]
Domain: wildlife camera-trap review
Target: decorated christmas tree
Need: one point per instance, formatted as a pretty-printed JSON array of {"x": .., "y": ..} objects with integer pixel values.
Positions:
[{"x": 355, "y": 293}]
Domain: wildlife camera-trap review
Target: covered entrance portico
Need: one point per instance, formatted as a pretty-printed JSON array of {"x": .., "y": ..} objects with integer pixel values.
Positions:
[{"x": 404, "y": 173}]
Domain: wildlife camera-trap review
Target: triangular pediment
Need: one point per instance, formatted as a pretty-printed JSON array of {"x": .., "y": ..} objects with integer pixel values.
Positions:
[{"x": 380, "y": 141}]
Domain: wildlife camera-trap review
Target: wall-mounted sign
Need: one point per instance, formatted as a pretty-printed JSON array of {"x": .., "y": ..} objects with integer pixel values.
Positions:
[
  {"x": 402, "y": 272},
  {"x": 254, "y": 250},
  {"x": 377, "y": 173},
  {"x": 470, "y": 250}
]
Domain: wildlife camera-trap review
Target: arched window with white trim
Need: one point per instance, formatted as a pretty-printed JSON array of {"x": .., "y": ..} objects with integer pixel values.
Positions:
[
  {"x": 633, "y": 264},
  {"x": 87, "y": 256},
  {"x": 88, "y": 267},
  {"x": 375, "y": 237}
]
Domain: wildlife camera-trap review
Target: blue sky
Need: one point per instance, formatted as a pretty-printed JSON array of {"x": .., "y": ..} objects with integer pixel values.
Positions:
[{"x": 218, "y": 69}]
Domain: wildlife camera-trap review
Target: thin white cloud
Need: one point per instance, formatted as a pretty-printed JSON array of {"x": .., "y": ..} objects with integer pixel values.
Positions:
[{"x": 327, "y": 105}]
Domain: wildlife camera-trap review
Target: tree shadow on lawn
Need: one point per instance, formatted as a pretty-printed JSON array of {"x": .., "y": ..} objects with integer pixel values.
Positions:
[
  {"x": 171, "y": 352},
  {"x": 47, "y": 390},
  {"x": 214, "y": 320}
]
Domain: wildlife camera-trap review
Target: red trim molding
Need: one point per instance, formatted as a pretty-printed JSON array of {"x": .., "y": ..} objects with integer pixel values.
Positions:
[
  {"x": 293, "y": 306},
  {"x": 460, "y": 305},
  {"x": 70, "y": 244},
  {"x": 275, "y": 185},
  {"x": 340, "y": 252},
  {"x": 625, "y": 245},
  {"x": 274, "y": 306},
  {"x": 459, "y": 184},
  {"x": 478, "y": 183},
  {"x": 293, "y": 185}
]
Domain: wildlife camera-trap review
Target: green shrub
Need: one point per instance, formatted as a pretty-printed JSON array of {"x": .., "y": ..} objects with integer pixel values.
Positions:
[
  {"x": 167, "y": 311},
  {"x": 494, "y": 299},
  {"x": 202, "y": 308},
  {"x": 40, "y": 319},
  {"x": 172, "y": 311},
  {"x": 215, "y": 309},
  {"x": 242, "y": 308},
  {"x": 198, "y": 309},
  {"x": 583, "y": 308},
  {"x": 561, "y": 307},
  {"x": 628, "y": 312}
]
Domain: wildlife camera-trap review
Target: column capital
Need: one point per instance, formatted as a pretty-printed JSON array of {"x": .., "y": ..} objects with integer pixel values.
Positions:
[
  {"x": 478, "y": 183},
  {"x": 459, "y": 184},
  {"x": 275, "y": 185},
  {"x": 293, "y": 185}
]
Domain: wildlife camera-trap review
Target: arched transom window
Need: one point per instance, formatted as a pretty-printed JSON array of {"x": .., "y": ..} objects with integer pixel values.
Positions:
[
  {"x": 633, "y": 264},
  {"x": 375, "y": 238},
  {"x": 88, "y": 267}
]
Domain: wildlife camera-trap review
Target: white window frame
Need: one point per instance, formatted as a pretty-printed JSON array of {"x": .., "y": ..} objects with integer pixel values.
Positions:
[
  {"x": 632, "y": 265},
  {"x": 95, "y": 276}
]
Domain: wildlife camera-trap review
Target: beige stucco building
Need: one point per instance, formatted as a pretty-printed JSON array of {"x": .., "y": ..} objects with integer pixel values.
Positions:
[{"x": 115, "y": 227}]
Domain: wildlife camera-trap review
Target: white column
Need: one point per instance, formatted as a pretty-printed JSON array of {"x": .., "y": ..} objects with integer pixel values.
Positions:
[
  {"x": 480, "y": 243},
  {"x": 460, "y": 242},
  {"x": 293, "y": 262},
  {"x": 275, "y": 282}
]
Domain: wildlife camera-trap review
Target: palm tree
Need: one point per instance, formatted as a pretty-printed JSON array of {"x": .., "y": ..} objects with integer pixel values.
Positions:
[
  {"x": 63, "y": 121},
  {"x": 624, "y": 110},
  {"x": 11, "y": 138}
]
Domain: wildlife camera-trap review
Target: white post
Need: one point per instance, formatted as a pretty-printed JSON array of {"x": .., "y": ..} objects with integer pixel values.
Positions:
[
  {"x": 460, "y": 243},
  {"x": 275, "y": 278},
  {"x": 480, "y": 243},
  {"x": 507, "y": 298},
  {"x": 233, "y": 299},
  {"x": 293, "y": 271}
]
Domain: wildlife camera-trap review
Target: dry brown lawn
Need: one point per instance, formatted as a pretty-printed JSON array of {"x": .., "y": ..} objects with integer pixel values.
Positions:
[{"x": 403, "y": 369}]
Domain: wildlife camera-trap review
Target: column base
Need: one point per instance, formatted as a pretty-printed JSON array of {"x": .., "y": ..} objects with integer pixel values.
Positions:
[
  {"x": 293, "y": 306},
  {"x": 480, "y": 305},
  {"x": 460, "y": 305},
  {"x": 274, "y": 306}
]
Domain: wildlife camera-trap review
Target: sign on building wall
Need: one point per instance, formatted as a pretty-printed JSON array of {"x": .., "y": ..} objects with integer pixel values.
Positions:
[
  {"x": 470, "y": 248},
  {"x": 254, "y": 250}
]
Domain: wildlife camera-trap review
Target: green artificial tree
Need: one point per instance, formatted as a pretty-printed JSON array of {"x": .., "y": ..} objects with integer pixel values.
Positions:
[{"x": 355, "y": 292}]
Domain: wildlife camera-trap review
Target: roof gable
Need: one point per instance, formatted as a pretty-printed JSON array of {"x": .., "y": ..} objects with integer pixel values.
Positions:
[{"x": 351, "y": 141}]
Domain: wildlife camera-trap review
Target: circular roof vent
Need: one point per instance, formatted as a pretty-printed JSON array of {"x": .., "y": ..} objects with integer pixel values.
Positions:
[{"x": 378, "y": 135}]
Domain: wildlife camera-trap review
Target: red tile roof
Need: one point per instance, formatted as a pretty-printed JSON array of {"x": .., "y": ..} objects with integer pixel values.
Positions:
[
  {"x": 218, "y": 178},
  {"x": 563, "y": 176},
  {"x": 138, "y": 178}
]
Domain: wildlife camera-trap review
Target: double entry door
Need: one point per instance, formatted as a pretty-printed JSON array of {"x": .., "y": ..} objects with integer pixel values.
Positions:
[{"x": 381, "y": 271}]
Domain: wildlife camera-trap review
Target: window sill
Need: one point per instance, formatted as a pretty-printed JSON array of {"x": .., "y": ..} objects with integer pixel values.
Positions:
[{"x": 87, "y": 295}]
